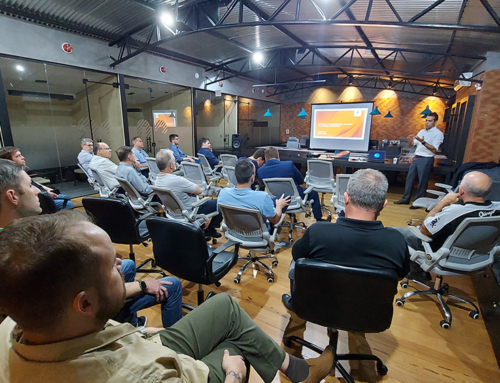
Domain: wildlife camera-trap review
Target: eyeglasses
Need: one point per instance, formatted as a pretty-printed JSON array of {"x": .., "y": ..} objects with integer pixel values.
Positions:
[{"x": 89, "y": 144}]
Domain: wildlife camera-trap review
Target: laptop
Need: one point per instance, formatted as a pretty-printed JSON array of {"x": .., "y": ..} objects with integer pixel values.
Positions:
[{"x": 376, "y": 156}]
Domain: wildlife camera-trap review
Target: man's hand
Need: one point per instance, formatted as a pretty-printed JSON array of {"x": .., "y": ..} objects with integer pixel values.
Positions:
[
  {"x": 450, "y": 199},
  {"x": 411, "y": 137},
  {"x": 234, "y": 367},
  {"x": 53, "y": 195},
  {"x": 153, "y": 330},
  {"x": 282, "y": 202},
  {"x": 419, "y": 139},
  {"x": 137, "y": 164},
  {"x": 156, "y": 287},
  {"x": 190, "y": 159}
]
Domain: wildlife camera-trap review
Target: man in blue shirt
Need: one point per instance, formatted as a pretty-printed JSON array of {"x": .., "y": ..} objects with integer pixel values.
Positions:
[
  {"x": 274, "y": 168},
  {"x": 243, "y": 196},
  {"x": 178, "y": 153},
  {"x": 127, "y": 171},
  {"x": 85, "y": 156},
  {"x": 206, "y": 150},
  {"x": 138, "y": 149}
]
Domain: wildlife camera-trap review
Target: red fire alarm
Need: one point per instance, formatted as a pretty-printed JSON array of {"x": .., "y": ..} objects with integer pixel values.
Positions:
[
  {"x": 163, "y": 69},
  {"x": 220, "y": 84},
  {"x": 66, "y": 47}
]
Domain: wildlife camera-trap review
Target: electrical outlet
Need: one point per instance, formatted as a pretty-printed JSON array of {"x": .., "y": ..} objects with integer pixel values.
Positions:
[{"x": 287, "y": 131}]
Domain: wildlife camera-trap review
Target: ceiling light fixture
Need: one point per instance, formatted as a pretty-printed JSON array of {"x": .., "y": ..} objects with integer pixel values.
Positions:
[
  {"x": 350, "y": 80},
  {"x": 375, "y": 111},
  {"x": 20, "y": 68},
  {"x": 268, "y": 114},
  {"x": 258, "y": 56},
  {"x": 302, "y": 114},
  {"x": 167, "y": 19}
]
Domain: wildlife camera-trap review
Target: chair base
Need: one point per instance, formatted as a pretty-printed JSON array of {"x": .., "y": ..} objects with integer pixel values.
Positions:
[
  {"x": 326, "y": 208},
  {"x": 140, "y": 268},
  {"x": 334, "y": 336},
  {"x": 440, "y": 290},
  {"x": 257, "y": 261},
  {"x": 293, "y": 224}
]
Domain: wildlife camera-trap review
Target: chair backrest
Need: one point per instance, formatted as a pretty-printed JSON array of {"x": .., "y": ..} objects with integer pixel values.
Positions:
[
  {"x": 345, "y": 298},
  {"x": 341, "y": 185},
  {"x": 275, "y": 187},
  {"x": 320, "y": 174},
  {"x": 293, "y": 143},
  {"x": 115, "y": 216},
  {"x": 231, "y": 176},
  {"x": 87, "y": 173},
  {"x": 471, "y": 244},
  {"x": 194, "y": 173},
  {"x": 303, "y": 140},
  {"x": 207, "y": 169},
  {"x": 153, "y": 168},
  {"x": 47, "y": 203},
  {"x": 180, "y": 249},
  {"x": 98, "y": 178},
  {"x": 134, "y": 197},
  {"x": 228, "y": 160},
  {"x": 245, "y": 226},
  {"x": 171, "y": 203}
]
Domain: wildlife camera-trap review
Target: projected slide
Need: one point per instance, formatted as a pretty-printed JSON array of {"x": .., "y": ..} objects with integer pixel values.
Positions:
[{"x": 344, "y": 126}]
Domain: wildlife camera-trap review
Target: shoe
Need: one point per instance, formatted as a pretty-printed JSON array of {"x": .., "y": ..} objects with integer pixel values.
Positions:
[
  {"x": 401, "y": 202},
  {"x": 211, "y": 232},
  {"x": 320, "y": 367},
  {"x": 141, "y": 321},
  {"x": 412, "y": 207},
  {"x": 287, "y": 301},
  {"x": 421, "y": 276}
]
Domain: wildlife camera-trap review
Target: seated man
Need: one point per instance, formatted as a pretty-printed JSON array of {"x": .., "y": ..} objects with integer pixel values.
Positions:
[
  {"x": 127, "y": 171},
  {"x": 206, "y": 150},
  {"x": 86, "y": 154},
  {"x": 185, "y": 190},
  {"x": 178, "y": 153},
  {"x": 102, "y": 163},
  {"x": 62, "y": 201},
  {"x": 149, "y": 292},
  {"x": 274, "y": 168},
  {"x": 140, "y": 153},
  {"x": 258, "y": 159},
  {"x": 358, "y": 239},
  {"x": 448, "y": 214},
  {"x": 63, "y": 332},
  {"x": 243, "y": 196}
]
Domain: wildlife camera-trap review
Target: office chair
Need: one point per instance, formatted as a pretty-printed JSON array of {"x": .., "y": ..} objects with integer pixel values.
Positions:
[
  {"x": 228, "y": 160},
  {"x": 320, "y": 177},
  {"x": 341, "y": 187},
  {"x": 214, "y": 175},
  {"x": 180, "y": 249},
  {"x": 275, "y": 187},
  {"x": 293, "y": 143},
  {"x": 427, "y": 202},
  {"x": 348, "y": 298},
  {"x": 195, "y": 174},
  {"x": 136, "y": 199},
  {"x": 248, "y": 229},
  {"x": 153, "y": 169},
  {"x": 90, "y": 179},
  {"x": 48, "y": 204},
  {"x": 117, "y": 218},
  {"x": 230, "y": 177},
  {"x": 468, "y": 250},
  {"x": 104, "y": 189},
  {"x": 174, "y": 209}
]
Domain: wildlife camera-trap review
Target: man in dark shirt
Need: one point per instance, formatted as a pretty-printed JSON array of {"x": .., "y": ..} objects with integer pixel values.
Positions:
[
  {"x": 358, "y": 239},
  {"x": 274, "y": 168},
  {"x": 206, "y": 150},
  {"x": 258, "y": 159}
]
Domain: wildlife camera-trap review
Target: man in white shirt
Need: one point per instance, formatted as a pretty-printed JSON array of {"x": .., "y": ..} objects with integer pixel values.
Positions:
[
  {"x": 101, "y": 162},
  {"x": 428, "y": 141},
  {"x": 85, "y": 156}
]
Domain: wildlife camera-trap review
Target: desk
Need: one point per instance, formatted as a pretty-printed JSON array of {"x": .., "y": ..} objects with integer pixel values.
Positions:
[{"x": 299, "y": 157}]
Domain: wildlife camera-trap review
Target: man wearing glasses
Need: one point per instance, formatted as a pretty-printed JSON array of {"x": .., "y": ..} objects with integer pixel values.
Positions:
[
  {"x": 101, "y": 162},
  {"x": 85, "y": 156}
]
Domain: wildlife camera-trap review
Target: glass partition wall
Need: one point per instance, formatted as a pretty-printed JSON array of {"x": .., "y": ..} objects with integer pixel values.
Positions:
[{"x": 255, "y": 128}]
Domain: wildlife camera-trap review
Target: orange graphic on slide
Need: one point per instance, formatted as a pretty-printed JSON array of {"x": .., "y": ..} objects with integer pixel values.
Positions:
[
  {"x": 339, "y": 123},
  {"x": 163, "y": 121}
]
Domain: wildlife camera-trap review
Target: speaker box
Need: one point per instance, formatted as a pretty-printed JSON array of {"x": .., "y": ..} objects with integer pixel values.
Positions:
[
  {"x": 236, "y": 141},
  {"x": 373, "y": 145}
]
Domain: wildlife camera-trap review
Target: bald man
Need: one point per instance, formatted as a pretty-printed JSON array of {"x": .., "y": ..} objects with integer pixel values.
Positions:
[{"x": 448, "y": 214}]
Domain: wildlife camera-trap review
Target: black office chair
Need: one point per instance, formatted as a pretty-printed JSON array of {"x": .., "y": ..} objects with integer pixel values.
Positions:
[
  {"x": 348, "y": 298},
  {"x": 117, "y": 218},
  {"x": 48, "y": 204},
  {"x": 180, "y": 248}
]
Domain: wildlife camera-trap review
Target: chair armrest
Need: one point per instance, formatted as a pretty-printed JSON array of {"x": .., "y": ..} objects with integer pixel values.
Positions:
[
  {"x": 416, "y": 231},
  {"x": 308, "y": 190},
  {"x": 448, "y": 188},
  {"x": 225, "y": 246},
  {"x": 436, "y": 192},
  {"x": 200, "y": 202},
  {"x": 146, "y": 216}
]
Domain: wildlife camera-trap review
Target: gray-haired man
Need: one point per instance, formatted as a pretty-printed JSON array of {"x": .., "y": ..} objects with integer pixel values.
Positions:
[
  {"x": 358, "y": 239},
  {"x": 85, "y": 156}
]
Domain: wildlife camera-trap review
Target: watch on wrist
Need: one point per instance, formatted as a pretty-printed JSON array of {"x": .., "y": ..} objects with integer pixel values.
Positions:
[
  {"x": 423, "y": 142},
  {"x": 143, "y": 286}
]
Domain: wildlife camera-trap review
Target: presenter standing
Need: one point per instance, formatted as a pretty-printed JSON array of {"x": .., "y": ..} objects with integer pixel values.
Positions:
[{"x": 428, "y": 141}]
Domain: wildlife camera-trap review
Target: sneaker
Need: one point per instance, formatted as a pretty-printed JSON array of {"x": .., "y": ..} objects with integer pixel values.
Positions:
[
  {"x": 211, "y": 232},
  {"x": 141, "y": 321},
  {"x": 401, "y": 202},
  {"x": 287, "y": 301}
]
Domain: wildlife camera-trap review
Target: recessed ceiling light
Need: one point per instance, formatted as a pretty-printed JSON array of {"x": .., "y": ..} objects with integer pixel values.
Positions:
[
  {"x": 167, "y": 19},
  {"x": 258, "y": 56},
  {"x": 20, "y": 68}
]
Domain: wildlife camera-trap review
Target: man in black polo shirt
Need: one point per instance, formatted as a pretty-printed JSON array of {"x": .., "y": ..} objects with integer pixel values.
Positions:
[{"x": 358, "y": 239}]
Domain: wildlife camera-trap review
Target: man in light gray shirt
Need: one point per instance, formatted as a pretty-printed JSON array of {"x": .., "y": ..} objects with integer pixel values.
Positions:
[
  {"x": 127, "y": 171},
  {"x": 185, "y": 190},
  {"x": 101, "y": 162},
  {"x": 85, "y": 156}
]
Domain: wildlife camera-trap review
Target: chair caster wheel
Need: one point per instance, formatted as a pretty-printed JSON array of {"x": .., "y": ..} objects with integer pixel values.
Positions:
[
  {"x": 270, "y": 279},
  {"x": 474, "y": 314},
  {"x": 382, "y": 369},
  {"x": 275, "y": 263},
  {"x": 329, "y": 219},
  {"x": 404, "y": 284},
  {"x": 236, "y": 280},
  {"x": 445, "y": 324},
  {"x": 214, "y": 241},
  {"x": 308, "y": 215},
  {"x": 153, "y": 263},
  {"x": 400, "y": 302},
  {"x": 291, "y": 241},
  {"x": 287, "y": 342}
]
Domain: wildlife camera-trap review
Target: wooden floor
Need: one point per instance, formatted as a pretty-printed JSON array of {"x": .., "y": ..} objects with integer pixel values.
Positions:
[{"x": 415, "y": 349}]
